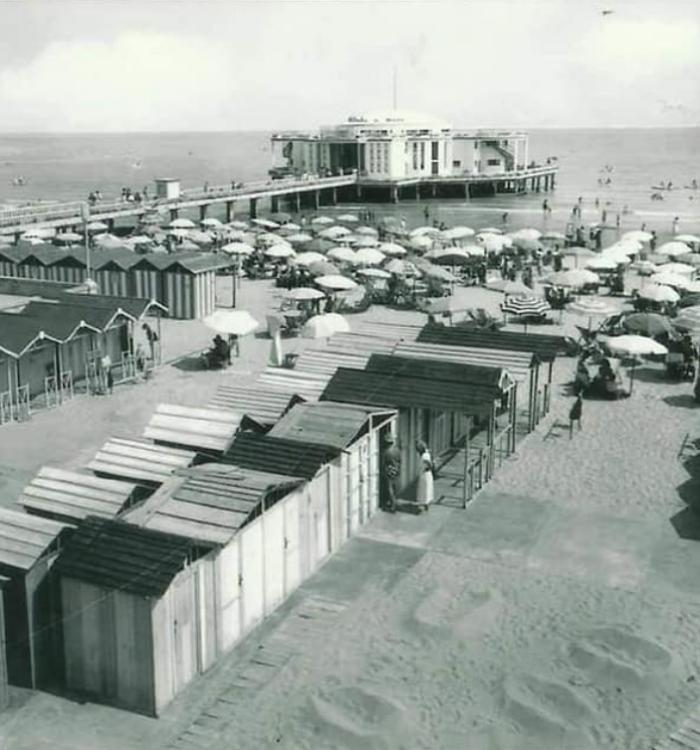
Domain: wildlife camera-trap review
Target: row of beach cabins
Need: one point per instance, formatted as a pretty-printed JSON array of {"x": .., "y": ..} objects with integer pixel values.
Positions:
[
  {"x": 124, "y": 581},
  {"x": 185, "y": 282}
]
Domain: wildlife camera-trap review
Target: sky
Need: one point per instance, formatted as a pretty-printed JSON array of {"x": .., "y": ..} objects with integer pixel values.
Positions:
[{"x": 191, "y": 65}]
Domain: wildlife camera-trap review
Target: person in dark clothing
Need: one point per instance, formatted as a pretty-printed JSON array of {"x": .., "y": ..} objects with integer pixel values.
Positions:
[
  {"x": 652, "y": 241},
  {"x": 391, "y": 473},
  {"x": 575, "y": 415}
]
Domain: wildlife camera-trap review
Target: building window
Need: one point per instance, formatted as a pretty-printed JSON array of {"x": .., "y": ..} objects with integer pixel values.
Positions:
[
  {"x": 456, "y": 164},
  {"x": 493, "y": 162},
  {"x": 422, "y": 154},
  {"x": 415, "y": 155}
]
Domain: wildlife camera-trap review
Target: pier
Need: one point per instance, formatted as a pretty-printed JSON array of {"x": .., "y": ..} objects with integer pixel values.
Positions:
[{"x": 292, "y": 194}]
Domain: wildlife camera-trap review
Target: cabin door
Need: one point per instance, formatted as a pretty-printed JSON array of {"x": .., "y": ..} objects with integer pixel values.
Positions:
[
  {"x": 353, "y": 490},
  {"x": 273, "y": 532},
  {"x": 228, "y": 570},
  {"x": 363, "y": 478},
  {"x": 320, "y": 492},
  {"x": 252, "y": 581},
  {"x": 184, "y": 629},
  {"x": 292, "y": 561}
]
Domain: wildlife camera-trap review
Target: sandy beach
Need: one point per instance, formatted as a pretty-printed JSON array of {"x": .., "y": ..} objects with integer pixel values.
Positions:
[{"x": 560, "y": 610}]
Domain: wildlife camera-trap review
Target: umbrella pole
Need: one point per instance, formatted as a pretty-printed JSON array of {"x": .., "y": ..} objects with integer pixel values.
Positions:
[{"x": 634, "y": 367}]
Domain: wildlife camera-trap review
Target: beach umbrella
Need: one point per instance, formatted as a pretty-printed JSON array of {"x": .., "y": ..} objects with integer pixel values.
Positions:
[
  {"x": 238, "y": 248},
  {"x": 374, "y": 273},
  {"x": 266, "y": 223},
  {"x": 475, "y": 251},
  {"x": 334, "y": 232},
  {"x": 335, "y": 282},
  {"x": 181, "y": 234},
  {"x": 508, "y": 287},
  {"x": 455, "y": 256},
  {"x": 689, "y": 239},
  {"x": 44, "y": 233},
  {"x": 342, "y": 254},
  {"x": 307, "y": 258},
  {"x": 238, "y": 235},
  {"x": 644, "y": 267},
  {"x": 368, "y": 256},
  {"x": 458, "y": 233},
  {"x": 349, "y": 218},
  {"x": 323, "y": 326},
  {"x": 401, "y": 267},
  {"x": 319, "y": 245},
  {"x": 683, "y": 269},
  {"x": 391, "y": 248},
  {"x": 304, "y": 293},
  {"x": 527, "y": 246},
  {"x": 620, "y": 257},
  {"x": 688, "y": 321},
  {"x": 188, "y": 245},
  {"x": 201, "y": 238},
  {"x": 623, "y": 248},
  {"x": 576, "y": 278},
  {"x": 525, "y": 306},
  {"x": 110, "y": 242},
  {"x": 299, "y": 238},
  {"x": 554, "y": 236},
  {"x": 639, "y": 235},
  {"x": 602, "y": 264},
  {"x": 280, "y": 217},
  {"x": 365, "y": 241},
  {"x": 421, "y": 242},
  {"x": 439, "y": 273},
  {"x": 692, "y": 259},
  {"x": 670, "y": 279},
  {"x": 280, "y": 251},
  {"x": 692, "y": 286},
  {"x": 425, "y": 232},
  {"x": 659, "y": 293},
  {"x": 323, "y": 268},
  {"x": 633, "y": 346},
  {"x": 367, "y": 231},
  {"x": 68, "y": 238},
  {"x": 290, "y": 227},
  {"x": 321, "y": 220},
  {"x": 211, "y": 223},
  {"x": 526, "y": 234},
  {"x": 647, "y": 324},
  {"x": 671, "y": 249},
  {"x": 591, "y": 308},
  {"x": 269, "y": 238},
  {"x": 490, "y": 230},
  {"x": 174, "y": 224},
  {"x": 493, "y": 243},
  {"x": 231, "y": 322},
  {"x": 238, "y": 225}
]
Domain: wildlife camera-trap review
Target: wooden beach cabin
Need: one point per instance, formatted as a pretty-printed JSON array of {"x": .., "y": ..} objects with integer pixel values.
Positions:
[
  {"x": 145, "y": 276},
  {"x": 189, "y": 284},
  {"x": 4, "y": 688},
  {"x": 111, "y": 273},
  {"x": 308, "y": 385},
  {"x": 28, "y": 548},
  {"x": 260, "y": 407},
  {"x": 139, "y": 461},
  {"x": 257, "y": 523},
  {"x": 69, "y": 496},
  {"x": 70, "y": 267},
  {"x": 442, "y": 409},
  {"x": 38, "y": 262},
  {"x": 209, "y": 431},
  {"x": 138, "y": 613},
  {"x": 8, "y": 261}
]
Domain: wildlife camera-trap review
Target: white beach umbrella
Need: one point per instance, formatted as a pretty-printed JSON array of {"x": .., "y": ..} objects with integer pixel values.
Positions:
[
  {"x": 174, "y": 224},
  {"x": 321, "y": 220},
  {"x": 618, "y": 255},
  {"x": 528, "y": 233},
  {"x": 280, "y": 251},
  {"x": 238, "y": 225},
  {"x": 334, "y": 232},
  {"x": 238, "y": 248},
  {"x": 692, "y": 286},
  {"x": 508, "y": 287},
  {"x": 659, "y": 293},
  {"x": 451, "y": 256},
  {"x": 553, "y": 236},
  {"x": 374, "y": 273},
  {"x": 671, "y": 249},
  {"x": 335, "y": 282},
  {"x": 688, "y": 239},
  {"x": 368, "y": 256},
  {"x": 644, "y": 267},
  {"x": 490, "y": 230},
  {"x": 367, "y": 231},
  {"x": 402, "y": 267},
  {"x": 306, "y": 259},
  {"x": 266, "y": 223},
  {"x": 211, "y": 223},
  {"x": 576, "y": 278},
  {"x": 683, "y": 269},
  {"x": 624, "y": 246},
  {"x": 602, "y": 264},
  {"x": 670, "y": 279},
  {"x": 635, "y": 346},
  {"x": 365, "y": 241},
  {"x": 425, "y": 231},
  {"x": 304, "y": 293},
  {"x": 342, "y": 254},
  {"x": 476, "y": 251},
  {"x": 323, "y": 326},
  {"x": 391, "y": 248},
  {"x": 299, "y": 238},
  {"x": 349, "y": 218},
  {"x": 269, "y": 238},
  {"x": 458, "y": 233},
  {"x": 638, "y": 234},
  {"x": 231, "y": 322},
  {"x": 67, "y": 238},
  {"x": 421, "y": 242},
  {"x": 591, "y": 308},
  {"x": 289, "y": 228},
  {"x": 688, "y": 320},
  {"x": 493, "y": 243}
]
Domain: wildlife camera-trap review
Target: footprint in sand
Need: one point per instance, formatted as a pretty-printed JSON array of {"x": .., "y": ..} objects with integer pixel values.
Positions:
[
  {"x": 466, "y": 613},
  {"x": 615, "y": 656},
  {"x": 359, "y": 719},
  {"x": 548, "y": 711}
]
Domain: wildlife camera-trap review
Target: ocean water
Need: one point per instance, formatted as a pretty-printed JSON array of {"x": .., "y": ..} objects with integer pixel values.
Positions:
[{"x": 68, "y": 167}]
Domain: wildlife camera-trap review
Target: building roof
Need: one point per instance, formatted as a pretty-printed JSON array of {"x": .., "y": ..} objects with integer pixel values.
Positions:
[
  {"x": 19, "y": 333},
  {"x": 493, "y": 379},
  {"x": 45, "y": 255},
  {"x": 516, "y": 364},
  {"x": 24, "y": 538},
  {"x": 320, "y": 362},
  {"x": 211, "y": 502},
  {"x": 201, "y": 429},
  {"x": 118, "y": 555},
  {"x": 121, "y": 262},
  {"x": 139, "y": 461},
  {"x": 308, "y": 385},
  {"x": 257, "y": 404},
  {"x": 325, "y": 423},
  {"x": 403, "y": 392},
  {"x": 73, "y": 496},
  {"x": 137, "y": 307},
  {"x": 279, "y": 455},
  {"x": 406, "y": 118},
  {"x": 34, "y": 287},
  {"x": 198, "y": 263},
  {"x": 545, "y": 347},
  {"x": 63, "y": 318}
]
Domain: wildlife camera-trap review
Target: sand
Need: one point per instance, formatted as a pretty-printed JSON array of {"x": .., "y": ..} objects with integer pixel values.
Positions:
[{"x": 560, "y": 611}]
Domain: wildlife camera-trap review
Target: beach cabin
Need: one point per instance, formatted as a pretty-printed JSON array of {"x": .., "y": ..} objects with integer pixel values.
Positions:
[
  {"x": 357, "y": 432},
  {"x": 308, "y": 385},
  {"x": 167, "y": 188},
  {"x": 38, "y": 262},
  {"x": 70, "y": 267},
  {"x": 260, "y": 408},
  {"x": 189, "y": 284},
  {"x": 443, "y": 410},
  {"x": 138, "y": 613},
  {"x": 69, "y": 496},
  {"x": 260, "y": 531},
  {"x": 28, "y": 549},
  {"x": 139, "y": 461},
  {"x": 8, "y": 261},
  {"x": 209, "y": 431},
  {"x": 145, "y": 277},
  {"x": 4, "y": 688},
  {"x": 111, "y": 274}
]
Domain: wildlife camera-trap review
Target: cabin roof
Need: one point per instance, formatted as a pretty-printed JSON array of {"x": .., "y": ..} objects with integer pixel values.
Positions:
[
  {"x": 139, "y": 461},
  {"x": 18, "y": 333},
  {"x": 291, "y": 458},
  {"x": 199, "y": 263},
  {"x": 211, "y": 502},
  {"x": 117, "y": 555},
  {"x": 137, "y": 307},
  {"x": 401, "y": 391},
  {"x": 25, "y": 538},
  {"x": 201, "y": 429},
  {"x": 71, "y": 495},
  {"x": 325, "y": 423},
  {"x": 544, "y": 346},
  {"x": 308, "y": 385},
  {"x": 262, "y": 405}
]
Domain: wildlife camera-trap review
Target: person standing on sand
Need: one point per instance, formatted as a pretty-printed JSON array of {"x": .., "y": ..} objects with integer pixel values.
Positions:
[
  {"x": 391, "y": 473},
  {"x": 575, "y": 415},
  {"x": 425, "y": 493},
  {"x": 676, "y": 225},
  {"x": 504, "y": 219}
]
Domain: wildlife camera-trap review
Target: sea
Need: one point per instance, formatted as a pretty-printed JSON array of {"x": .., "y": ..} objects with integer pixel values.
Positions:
[{"x": 617, "y": 167}]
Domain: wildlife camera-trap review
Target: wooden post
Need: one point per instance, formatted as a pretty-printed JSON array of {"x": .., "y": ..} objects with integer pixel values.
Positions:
[
  {"x": 274, "y": 203},
  {"x": 174, "y": 213},
  {"x": 513, "y": 415},
  {"x": 466, "y": 492},
  {"x": 394, "y": 194},
  {"x": 317, "y": 199},
  {"x": 230, "y": 210},
  {"x": 335, "y": 196},
  {"x": 491, "y": 439},
  {"x": 253, "y": 208},
  {"x": 297, "y": 197},
  {"x": 203, "y": 211}
]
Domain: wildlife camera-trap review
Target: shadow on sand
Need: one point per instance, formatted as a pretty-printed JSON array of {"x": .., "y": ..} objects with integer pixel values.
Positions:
[
  {"x": 685, "y": 400},
  {"x": 687, "y": 524}
]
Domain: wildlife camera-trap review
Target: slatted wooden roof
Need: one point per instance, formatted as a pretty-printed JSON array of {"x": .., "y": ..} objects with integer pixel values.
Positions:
[
  {"x": 325, "y": 422},
  {"x": 517, "y": 364},
  {"x": 262, "y": 405},
  {"x": 201, "y": 429},
  {"x": 139, "y": 461},
  {"x": 118, "y": 555},
  {"x": 398, "y": 331},
  {"x": 25, "y": 538},
  {"x": 307, "y": 385},
  {"x": 69, "y": 495},
  {"x": 211, "y": 502},
  {"x": 324, "y": 362}
]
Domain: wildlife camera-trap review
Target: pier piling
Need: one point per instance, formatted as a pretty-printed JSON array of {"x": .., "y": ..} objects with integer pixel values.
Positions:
[
  {"x": 253, "y": 210},
  {"x": 203, "y": 211},
  {"x": 230, "y": 211}
]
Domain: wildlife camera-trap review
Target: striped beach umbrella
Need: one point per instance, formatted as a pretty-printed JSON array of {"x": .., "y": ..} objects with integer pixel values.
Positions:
[
  {"x": 688, "y": 321},
  {"x": 525, "y": 306}
]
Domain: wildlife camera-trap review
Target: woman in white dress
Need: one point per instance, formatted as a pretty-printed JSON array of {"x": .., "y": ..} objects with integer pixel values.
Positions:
[{"x": 424, "y": 491}]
